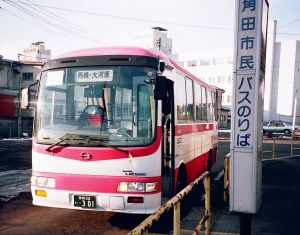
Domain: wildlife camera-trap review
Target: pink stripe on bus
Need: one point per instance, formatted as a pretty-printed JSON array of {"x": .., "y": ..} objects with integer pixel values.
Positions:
[
  {"x": 95, "y": 184},
  {"x": 99, "y": 153},
  {"x": 110, "y": 51}
]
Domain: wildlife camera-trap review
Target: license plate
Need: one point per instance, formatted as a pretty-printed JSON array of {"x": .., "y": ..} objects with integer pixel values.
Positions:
[{"x": 85, "y": 201}]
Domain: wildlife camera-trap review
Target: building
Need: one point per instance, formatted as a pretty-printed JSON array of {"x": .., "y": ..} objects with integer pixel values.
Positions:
[
  {"x": 282, "y": 88},
  {"x": 36, "y": 52},
  {"x": 225, "y": 118},
  {"x": 215, "y": 70},
  {"x": 282, "y": 78},
  {"x": 158, "y": 40},
  {"x": 14, "y": 76},
  {"x": 161, "y": 42}
]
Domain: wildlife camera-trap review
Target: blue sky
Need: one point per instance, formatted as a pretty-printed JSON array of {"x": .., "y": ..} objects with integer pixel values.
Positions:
[{"x": 194, "y": 25}]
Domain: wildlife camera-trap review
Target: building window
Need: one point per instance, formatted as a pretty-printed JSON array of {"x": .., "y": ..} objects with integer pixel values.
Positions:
[
  {"x": 27, "y": 76},
  {"x": 228, "y": 98},
  {"x": 229, "y": 79},
  {"x": 192, "y": 63},
  {"x": 204, "y": 62}
]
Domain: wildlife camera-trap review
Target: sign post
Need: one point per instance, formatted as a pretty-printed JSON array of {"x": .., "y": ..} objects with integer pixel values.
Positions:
[{"x": 247, "y": 109}]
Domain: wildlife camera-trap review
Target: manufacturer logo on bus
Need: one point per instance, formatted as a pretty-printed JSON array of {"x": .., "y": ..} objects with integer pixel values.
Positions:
[{"x": 130, "y": 173}]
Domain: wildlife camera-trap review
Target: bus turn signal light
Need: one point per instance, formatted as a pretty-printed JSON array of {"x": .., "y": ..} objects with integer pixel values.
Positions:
[{"x": 41, "y": 193}]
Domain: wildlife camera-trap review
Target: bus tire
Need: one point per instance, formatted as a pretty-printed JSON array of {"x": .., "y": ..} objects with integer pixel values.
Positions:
[
  {"x": 209, "y": 161},
  {"x": 181, "y": 183},
  {"x": 181, "y": 179}
]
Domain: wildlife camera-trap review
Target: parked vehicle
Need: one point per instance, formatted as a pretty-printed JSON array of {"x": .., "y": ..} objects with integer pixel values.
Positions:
[{"x": 280, "y": 127}]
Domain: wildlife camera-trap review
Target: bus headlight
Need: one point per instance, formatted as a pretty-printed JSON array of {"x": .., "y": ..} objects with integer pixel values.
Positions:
[
  {"x": 43, "y": 181},
  {"x": 138, "y": 187}
]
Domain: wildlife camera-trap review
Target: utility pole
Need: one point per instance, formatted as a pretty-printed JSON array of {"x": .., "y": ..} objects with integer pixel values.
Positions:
[
  {"x": 20, "y": 108},
  {"x": 158, "y": 43}
]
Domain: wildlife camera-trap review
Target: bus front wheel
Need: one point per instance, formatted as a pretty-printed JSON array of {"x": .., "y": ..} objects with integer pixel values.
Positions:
[
  {"x": 181, "y": 179},
  {"x": 209, "y": 161}
]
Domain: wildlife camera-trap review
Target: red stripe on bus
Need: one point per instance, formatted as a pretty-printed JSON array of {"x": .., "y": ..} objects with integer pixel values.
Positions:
[
  {"x": 99, "y": 153},
  {"x": 184, "y": 129},
  {"x": 95, "y": 184},
  {"x": 197, "y": 166}
]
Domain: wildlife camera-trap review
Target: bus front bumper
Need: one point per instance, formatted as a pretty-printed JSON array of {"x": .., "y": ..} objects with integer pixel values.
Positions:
[{"x": 124, "y": 203}]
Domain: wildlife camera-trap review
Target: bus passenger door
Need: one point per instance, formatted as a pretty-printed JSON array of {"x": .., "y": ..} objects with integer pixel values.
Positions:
[{"x": 168, "y": 143}]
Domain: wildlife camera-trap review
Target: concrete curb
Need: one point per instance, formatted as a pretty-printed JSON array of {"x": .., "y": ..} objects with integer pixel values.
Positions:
[{"x": 189, "y": 232}]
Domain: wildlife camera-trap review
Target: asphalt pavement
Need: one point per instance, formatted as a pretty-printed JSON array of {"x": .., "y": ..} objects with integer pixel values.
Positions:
[
  {"x": 278, "y": 213},
  {"x": 15, "y": 168},
  {"x": 280, "y": 206}
]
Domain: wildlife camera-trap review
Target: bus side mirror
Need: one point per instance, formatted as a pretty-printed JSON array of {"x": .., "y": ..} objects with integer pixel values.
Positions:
[
  {"x": 25, "y": 98},
  {"x": 161, "y": 88}
]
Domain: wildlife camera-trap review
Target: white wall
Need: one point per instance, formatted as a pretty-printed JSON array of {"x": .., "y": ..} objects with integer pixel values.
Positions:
[
  {"x": 284, "y": 84},
  {"x": 286, "y": 79}
]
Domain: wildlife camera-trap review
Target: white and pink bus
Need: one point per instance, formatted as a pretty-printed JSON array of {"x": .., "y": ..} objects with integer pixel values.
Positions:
[{"x": 119, "y": 129}]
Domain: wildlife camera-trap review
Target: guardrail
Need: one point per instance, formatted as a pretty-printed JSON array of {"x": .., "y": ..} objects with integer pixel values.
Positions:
[
  {"x": 175, "y": 202},
  {"x": 226, "y": 177},
  {"x": 275, "y": 139}
]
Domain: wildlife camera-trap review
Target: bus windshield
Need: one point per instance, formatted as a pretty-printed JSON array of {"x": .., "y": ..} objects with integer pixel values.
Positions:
[{"x": 111, "y": 104}]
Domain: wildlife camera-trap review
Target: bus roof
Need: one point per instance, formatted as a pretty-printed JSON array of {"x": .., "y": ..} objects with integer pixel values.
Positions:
[{"x": 131, "y": 51}]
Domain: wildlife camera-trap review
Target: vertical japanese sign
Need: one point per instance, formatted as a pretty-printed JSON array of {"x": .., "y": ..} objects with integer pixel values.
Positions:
[{"x": 248, "y": 86}]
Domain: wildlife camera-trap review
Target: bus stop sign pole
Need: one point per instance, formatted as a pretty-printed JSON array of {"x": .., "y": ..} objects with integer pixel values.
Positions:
[{"x": 247, "y": 109}]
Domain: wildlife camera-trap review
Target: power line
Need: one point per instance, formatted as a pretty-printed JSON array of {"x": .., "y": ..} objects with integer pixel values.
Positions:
[
  {"x": 50, "y": 14},
  {"x": 66, "y": 21},
  {"x": 58, "y": 17},
  {"x": 133, "y": 18},
  {"x": 292, "y": 34},
  {"x": 23, "y": 18},
  {"x": 34, "y": 6},
  {"x": 55, "y": 25},
  {"x": 290, "y": 23},
  {"x": 34, "y": 15}
]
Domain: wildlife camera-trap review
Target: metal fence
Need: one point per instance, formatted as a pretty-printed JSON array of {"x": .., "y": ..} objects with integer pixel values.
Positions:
[
  {"x": 175, "y": 202},
  {"x": 280, "y": 146},
  {"x": 226, "y": 177}
]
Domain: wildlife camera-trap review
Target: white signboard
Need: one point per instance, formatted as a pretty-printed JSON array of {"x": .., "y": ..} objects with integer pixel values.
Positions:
[
  {"x": 249, "y": 66},
  {"x": 55, "y": 78},
  {"x": 94, "y": 76}
]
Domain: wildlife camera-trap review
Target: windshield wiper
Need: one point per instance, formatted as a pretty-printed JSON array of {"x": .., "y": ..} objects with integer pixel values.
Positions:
[
  {"x": 87, "y": 139},
  {"x": 109, "y": 146},
  {"x": 63, "y": 139}
]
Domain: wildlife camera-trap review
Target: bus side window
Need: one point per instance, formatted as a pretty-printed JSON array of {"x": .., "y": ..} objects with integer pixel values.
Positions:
[
  {"x": 209, "y": 106},
  {"x": 204, "y": 103},
  {"x": 198, "y": 102},
  {"x": 180, "y": 99},
  {"x": 214, "y": 106},
  {"x": 189, "y": 99}
]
